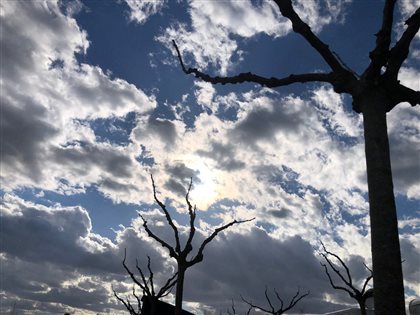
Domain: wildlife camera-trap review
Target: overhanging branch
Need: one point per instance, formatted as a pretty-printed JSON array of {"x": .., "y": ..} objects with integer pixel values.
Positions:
[{"x": 254, "y": 78}]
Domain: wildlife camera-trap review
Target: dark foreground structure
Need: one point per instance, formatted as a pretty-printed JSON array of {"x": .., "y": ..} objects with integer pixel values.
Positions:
[{"x": 161, "y": 308}]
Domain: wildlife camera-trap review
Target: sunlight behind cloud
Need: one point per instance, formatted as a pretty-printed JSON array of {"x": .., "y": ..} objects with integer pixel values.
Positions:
[{"x": 205, "y": 190}]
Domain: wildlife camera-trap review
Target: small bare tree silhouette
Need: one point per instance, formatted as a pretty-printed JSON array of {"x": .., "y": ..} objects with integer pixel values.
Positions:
[
  {"x": 148, "y": 288},
  {"x": 359, "y": 295},
  {"x": 181, "y": 254}
]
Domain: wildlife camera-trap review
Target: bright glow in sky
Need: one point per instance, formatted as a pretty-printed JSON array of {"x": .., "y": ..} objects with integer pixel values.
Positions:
[{"x": 93, "y": 101}]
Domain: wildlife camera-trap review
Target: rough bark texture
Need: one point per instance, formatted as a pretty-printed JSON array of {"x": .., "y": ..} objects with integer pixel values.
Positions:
[{"x": 386, "y": 256}]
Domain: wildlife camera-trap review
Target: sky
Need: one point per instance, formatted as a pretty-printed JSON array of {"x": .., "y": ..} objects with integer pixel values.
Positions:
[{"x": 93, "y": 101}]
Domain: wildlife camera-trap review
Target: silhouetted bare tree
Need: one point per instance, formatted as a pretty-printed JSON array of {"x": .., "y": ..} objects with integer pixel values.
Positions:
[
  {"x": 280, "y": 309},
  {"x": 147, "y": 286},
  {"x": 375, "y": 92},
  {"x": 181, "y": 254},
  {"x": 359, "y": 295}
]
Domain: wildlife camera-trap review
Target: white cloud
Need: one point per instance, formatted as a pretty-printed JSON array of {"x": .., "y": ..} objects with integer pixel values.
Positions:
[
  {"x": 210, "y": 39},
  {"x": 331, "y": 107},
  {"x": 49, "y": 99},
  {"x": 142, "y": 10}
]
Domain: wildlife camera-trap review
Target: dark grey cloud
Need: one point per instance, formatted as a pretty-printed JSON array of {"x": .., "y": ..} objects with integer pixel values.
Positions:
[
  {"x": 224, "y": 155},
  {"x": 44, "y": 248},
  {"x": 264, "y": 123},
  {"x": 280, "y": 214},
  {"x": 111, "y": 184},
  {"x": 24, "y": 135},
  {"x": 164, "y": 128},
  {"x": 181, "y": 171},
  {"x": 84, "y": 156},
  {"x": 236, "y": 264},
  {"x": 405, "y": 162},
  {"x": 17, "y": 50},
  {"x": 37, "y": 286},
  {"x": 179, "y": 177},
  {"x": 411, "y": 261}
]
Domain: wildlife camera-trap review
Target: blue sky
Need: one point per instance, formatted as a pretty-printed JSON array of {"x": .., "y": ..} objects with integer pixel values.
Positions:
[{"x": 94, "y": 101}]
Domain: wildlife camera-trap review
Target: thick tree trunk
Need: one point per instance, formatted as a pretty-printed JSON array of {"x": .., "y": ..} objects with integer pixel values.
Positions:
[
  {"x": 153, "y": 306},
  {"x": 386, "y": 257},
  {"x": 179, "y": 289}
]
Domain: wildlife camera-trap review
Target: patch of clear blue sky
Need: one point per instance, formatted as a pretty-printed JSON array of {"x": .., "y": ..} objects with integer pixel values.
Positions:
[{"x": 105, "y": 215}]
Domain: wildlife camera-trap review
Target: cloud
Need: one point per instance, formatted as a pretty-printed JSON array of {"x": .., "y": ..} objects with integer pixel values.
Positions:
[
  {"x": 294, "y": 163},
  {"x": 141, "y": 11},
  {"x": 245, "y": 264},
  {"x": 404, "y": 138},
  {"x": 51, "y": 258},
  {"x": 224, "y": 155},
  {"x": 214, "y": 25},
  {"x": 49, "y": 99}
]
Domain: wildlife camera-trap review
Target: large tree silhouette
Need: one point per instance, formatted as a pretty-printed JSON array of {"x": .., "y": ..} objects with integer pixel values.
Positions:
[
  {"x": 177, "y": 252},
  {"x": 374, "y": 93}
]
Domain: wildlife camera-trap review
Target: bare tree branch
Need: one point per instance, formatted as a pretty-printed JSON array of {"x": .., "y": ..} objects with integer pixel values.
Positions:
[
  {"x": 171, "y": 250},
  {"x": 168, "y": 217},
  {"x": 127, "y": 304},
  {"x": 401, "y": 49},
  {"x": 167, "y": 287},
  {"x": 192, "y": 213},
  {"x": 281, "y": 310},
  {"x": 269, "y": 302},
  {"x": 250, "y": 77},
  {"x": 347, "y": 281},
  {"x": 296, "y": 298},
  {"x": 399, "y": 93},
  {"x": 234, "y": 310},
  {"x": 152, "y": 286},
  {"x": 251, "y": 305},
  {"x": 300, "y": 27},
  {"x": 137, "y": 299},
  {"x": 337, "y": 287},
  {"x": 147, "y": 285},
  {"x": 366, "y": 282},
  {"x": 379, "y": 56},
  {"x": 359, "y": 295},
  {"x": 143, "y": 285},
  {"x": 199, "y": 256}
]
